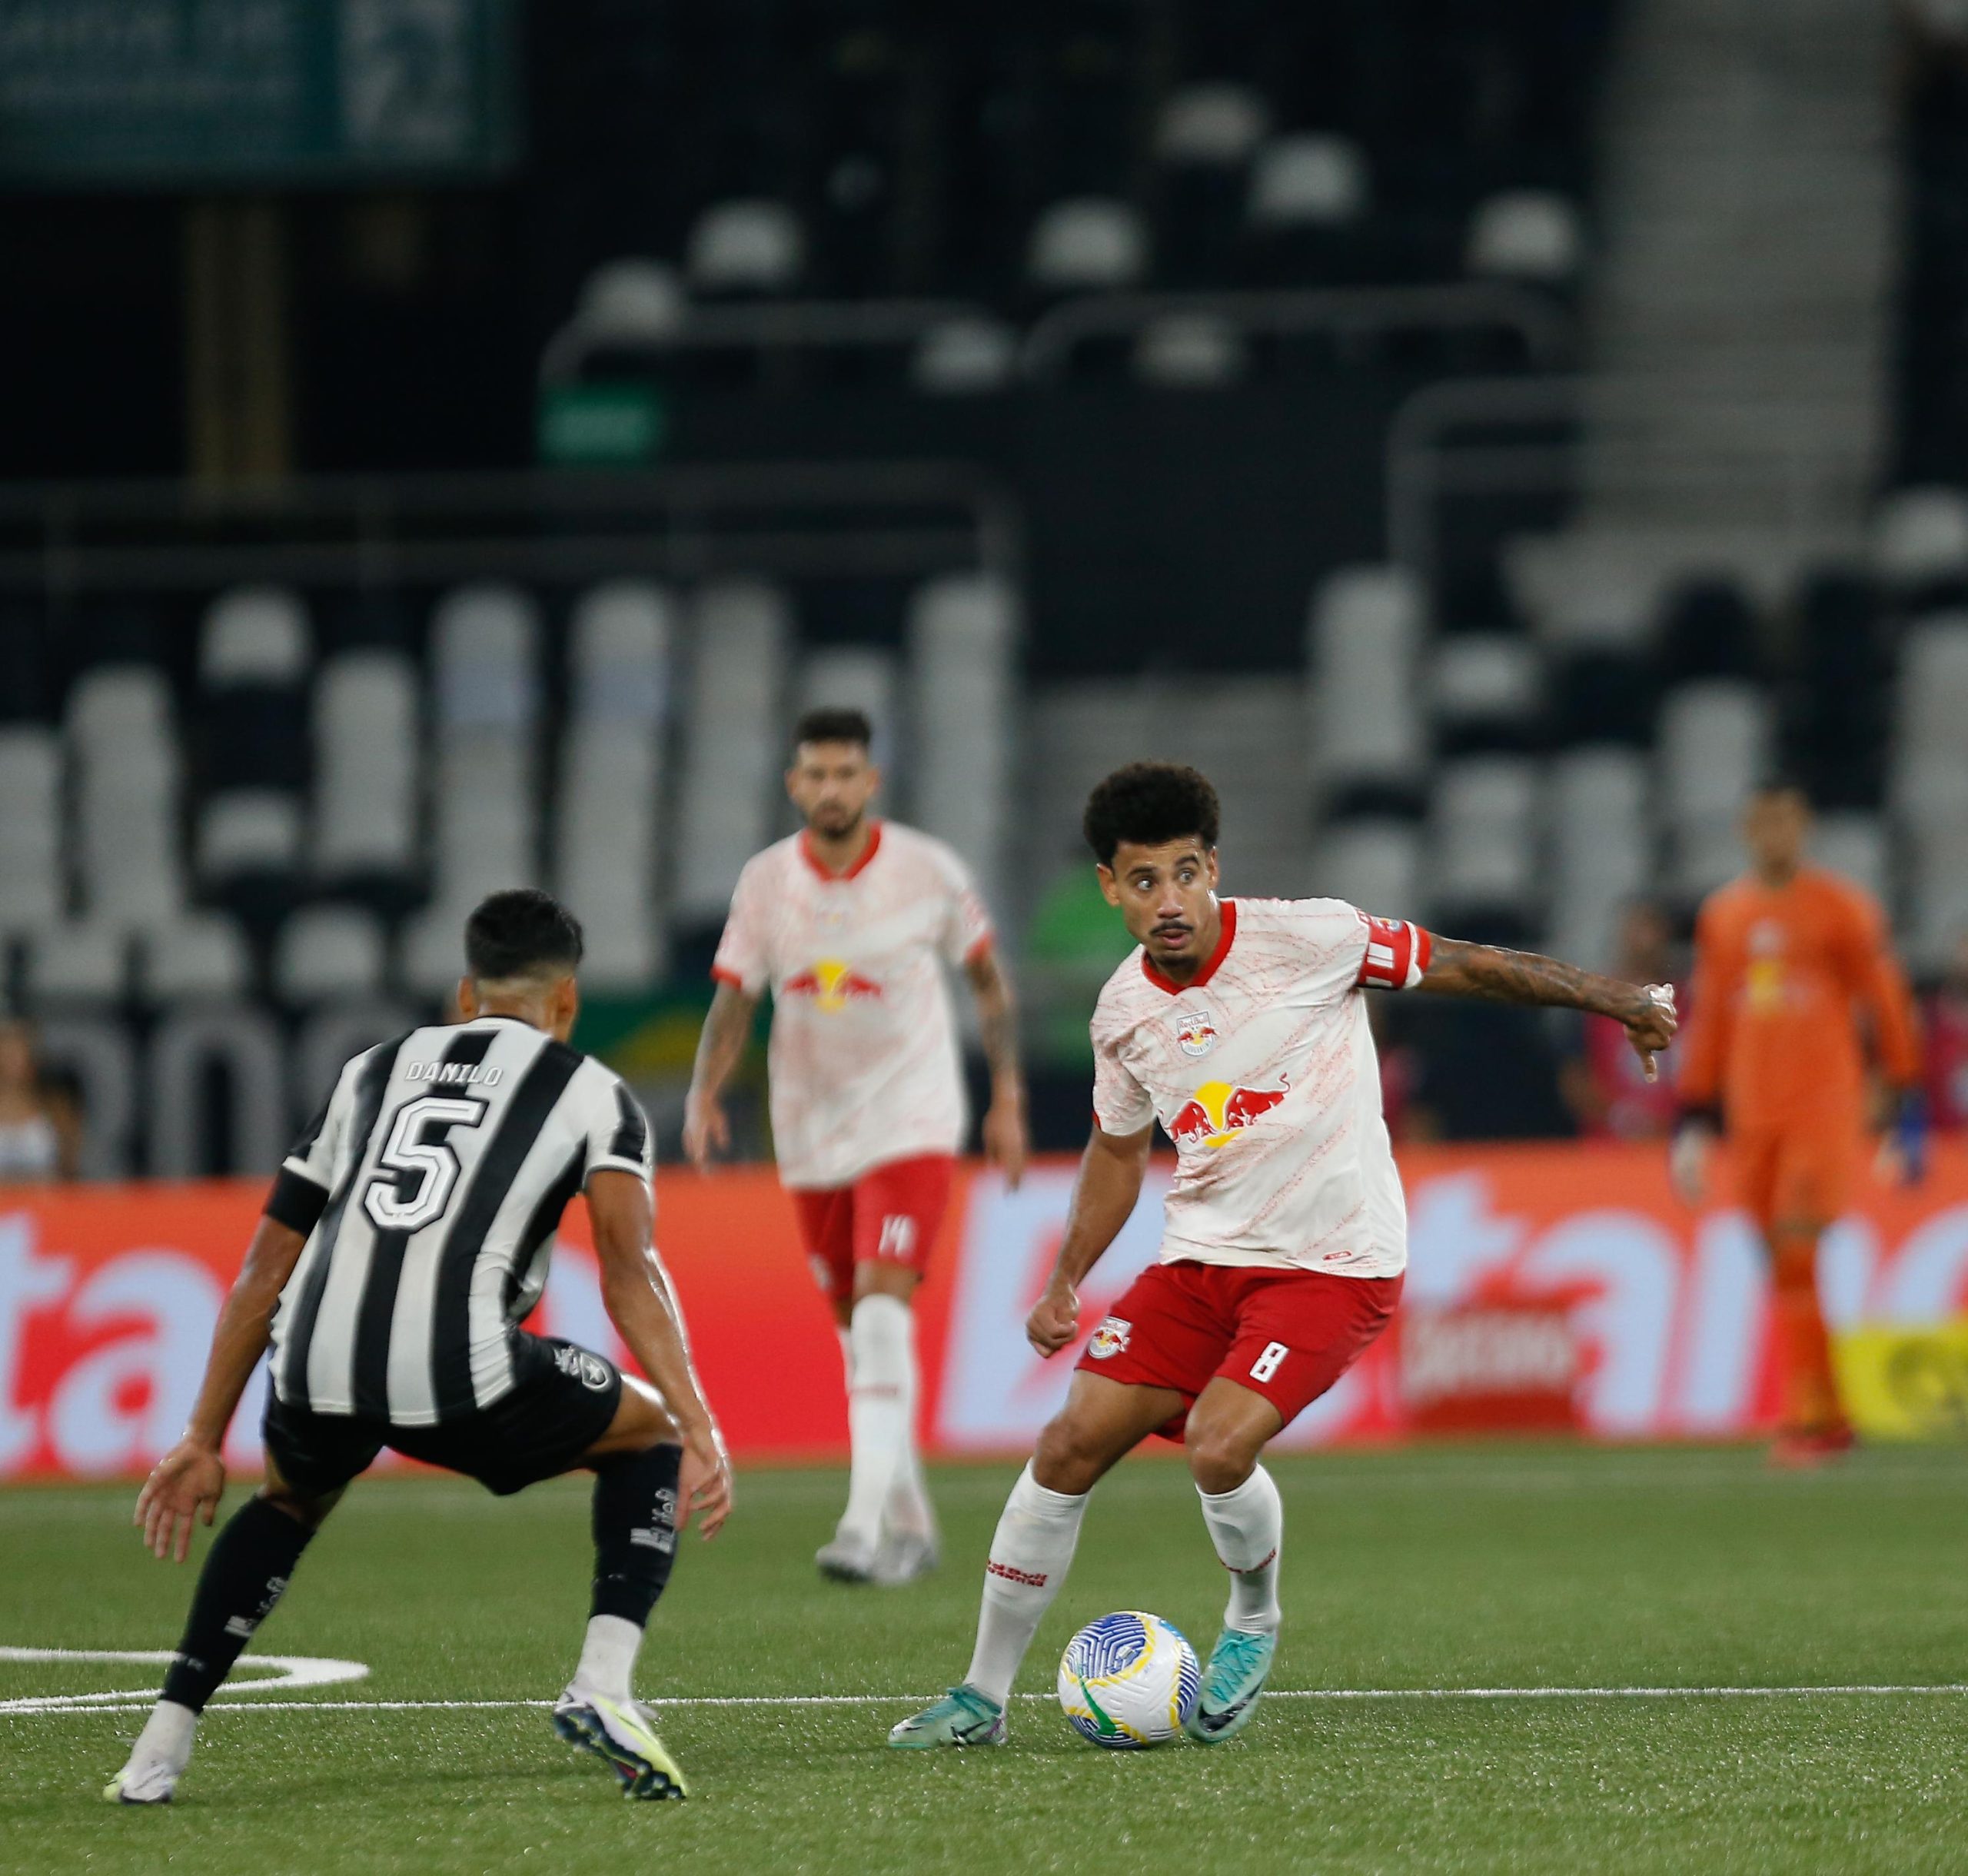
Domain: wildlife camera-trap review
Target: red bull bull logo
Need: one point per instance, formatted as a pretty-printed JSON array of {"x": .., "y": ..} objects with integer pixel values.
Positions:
[
  {"x": 831, "y": 984},
  {"x": 1196, "y": 1031},
  {"x": 1217, "y": 1112}
]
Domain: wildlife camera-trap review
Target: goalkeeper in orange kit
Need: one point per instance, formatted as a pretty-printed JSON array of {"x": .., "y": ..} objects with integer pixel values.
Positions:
[{"x": 1793, "y": 974}]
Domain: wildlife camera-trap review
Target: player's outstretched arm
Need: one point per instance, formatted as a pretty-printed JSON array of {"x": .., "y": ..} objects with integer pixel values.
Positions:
[
  {"x": 1104, "y": 1195},
  {"x": 720, "y": 1047},
  {"x": 1501, "y": 976},
  {"x": 187, "y": 1482},
  {"x": 635, "y": 1290},
  {"x": 1007, "y": 1143}
]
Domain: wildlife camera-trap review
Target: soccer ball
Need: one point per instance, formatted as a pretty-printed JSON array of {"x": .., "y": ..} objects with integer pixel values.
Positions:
[{"x": 1128, "y": 1679}]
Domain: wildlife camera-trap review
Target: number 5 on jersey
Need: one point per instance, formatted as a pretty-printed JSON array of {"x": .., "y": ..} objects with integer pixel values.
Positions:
[{"x": 415, "y": 1177}]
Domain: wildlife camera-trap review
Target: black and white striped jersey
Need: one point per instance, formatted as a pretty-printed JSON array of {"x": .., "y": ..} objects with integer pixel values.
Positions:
[{"x": 430, "y": 1187}]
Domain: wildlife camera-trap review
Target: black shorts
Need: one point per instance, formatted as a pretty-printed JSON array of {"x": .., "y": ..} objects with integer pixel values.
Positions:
[{"x": 563, "y": 1401}]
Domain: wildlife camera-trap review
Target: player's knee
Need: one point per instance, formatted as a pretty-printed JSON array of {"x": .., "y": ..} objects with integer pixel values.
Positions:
[
  {"x": 1066, "y": 1458},
  {"x": 1221, "y": 1458}
]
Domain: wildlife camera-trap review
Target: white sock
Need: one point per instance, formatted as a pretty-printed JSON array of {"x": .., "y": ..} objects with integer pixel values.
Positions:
[
  {"x": 608, "y": 1657},
  {"x": 1247, "y": 1526},
  {"x": 166, "y": 1735},
  {"x": 1030, "y": 1554},
  {"x": 880, "y": 1401},
  {"x": 908, "y": 1512}
]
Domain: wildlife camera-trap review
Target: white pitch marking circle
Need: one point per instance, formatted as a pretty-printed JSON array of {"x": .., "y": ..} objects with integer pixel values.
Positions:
[{"x": 288, "y": 1672}]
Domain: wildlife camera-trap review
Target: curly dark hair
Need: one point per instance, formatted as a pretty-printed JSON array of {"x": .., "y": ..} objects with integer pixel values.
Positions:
[
  {"x": 1149, "y": 803},
  {"x": 521, "y": 932}
]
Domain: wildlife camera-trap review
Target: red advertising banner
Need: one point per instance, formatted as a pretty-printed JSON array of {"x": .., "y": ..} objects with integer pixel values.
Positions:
[{"x": 1549, "y": 1287}]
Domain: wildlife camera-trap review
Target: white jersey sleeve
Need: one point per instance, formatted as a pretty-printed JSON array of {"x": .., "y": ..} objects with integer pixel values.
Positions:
[
  {"x": 744, "y": 952},
  {"x": 617, "y": 1130},
  {"x": 966, "y": 929},
  {"x": 1121, "y": 1104}
]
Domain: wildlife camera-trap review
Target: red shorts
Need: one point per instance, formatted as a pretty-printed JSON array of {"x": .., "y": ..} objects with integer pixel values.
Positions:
[
  {"x": 1796, "y": 1175},
  {"x": 890, "y": 1214},
  {"x": 1287, "y": 1334}
]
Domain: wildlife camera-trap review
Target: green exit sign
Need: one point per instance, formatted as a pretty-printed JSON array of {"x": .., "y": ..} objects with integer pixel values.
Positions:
[{"x": 601, "y": 424}]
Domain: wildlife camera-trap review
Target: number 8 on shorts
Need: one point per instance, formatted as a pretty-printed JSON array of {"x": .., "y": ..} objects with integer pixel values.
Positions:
[{"x": 1268, "y": 1363}]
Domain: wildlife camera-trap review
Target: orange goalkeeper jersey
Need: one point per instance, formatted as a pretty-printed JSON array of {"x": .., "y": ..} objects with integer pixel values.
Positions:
[{"x": 1784, "y": 978}]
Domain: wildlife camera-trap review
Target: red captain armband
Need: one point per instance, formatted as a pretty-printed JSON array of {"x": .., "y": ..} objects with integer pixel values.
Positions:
[{"x": 1397, "y": 953}]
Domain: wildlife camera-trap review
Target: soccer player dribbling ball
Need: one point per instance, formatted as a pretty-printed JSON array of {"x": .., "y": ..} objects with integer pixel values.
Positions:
[
  {"x": 851, "y": 923},
  {"x": 1239, "y": 1025},
  {"x": 1788, "y": 959}
]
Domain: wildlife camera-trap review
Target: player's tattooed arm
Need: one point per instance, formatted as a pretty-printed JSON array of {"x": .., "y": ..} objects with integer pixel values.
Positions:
[
  {"x": 1006, "y": 1142},
  {"x": 1104, "y": 1195},
  {"x": 1497, "y": 976},
  {"x": 727, "y": 1029}
]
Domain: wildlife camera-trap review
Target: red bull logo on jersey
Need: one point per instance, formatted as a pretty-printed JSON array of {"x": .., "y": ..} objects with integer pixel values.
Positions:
[
  {"x": 1216, "y": 1113},
  {"x": 1196, "y": 1031},
  {"x": 831, "y": 984}
]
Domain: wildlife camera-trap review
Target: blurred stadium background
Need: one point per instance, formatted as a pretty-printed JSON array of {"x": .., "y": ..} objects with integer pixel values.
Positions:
[{"x": 449, "y": 440}]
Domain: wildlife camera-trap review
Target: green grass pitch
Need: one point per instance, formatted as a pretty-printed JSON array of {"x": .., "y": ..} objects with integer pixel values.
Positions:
[{"x": 1489, "y": 1567}]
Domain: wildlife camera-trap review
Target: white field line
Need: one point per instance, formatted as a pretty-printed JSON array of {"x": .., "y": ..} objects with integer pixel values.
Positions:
[{"x": 60, "y": 1704}]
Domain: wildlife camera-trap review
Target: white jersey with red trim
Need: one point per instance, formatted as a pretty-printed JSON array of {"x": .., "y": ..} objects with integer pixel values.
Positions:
[
  {"x": 1262, "y": 1071},
  {"x": 863, "y": 1059}
]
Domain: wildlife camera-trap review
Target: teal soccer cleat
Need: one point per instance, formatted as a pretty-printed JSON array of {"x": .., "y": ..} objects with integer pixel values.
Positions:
[
  {"x": 962, "y": 1717},
  {"x": 1239, "y": 1665}
]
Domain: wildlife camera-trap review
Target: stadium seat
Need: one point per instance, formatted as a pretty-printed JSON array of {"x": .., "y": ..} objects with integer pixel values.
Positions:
[
  {"x": 201, "y": 956},
  {"x": 255, "y": 636},
  {"x": 965, "y": 358},
  {"x": 367, "y": 742},
  {"x": 1306, "y": 219},
  {"x": 1716, "y": 741},
  {"x": 630, "y": 302},
  {"x": 1374, "y": 864},
  {"x": 248, "y": 830},
  {"x": 1203, "y": 142},
  {"x": 127, "y": 769},
  {"x": 1190, "y": 351},
  {"x": 484, "y": 818},
  {"x": 32, "y": 891},
  {"x": 1930, "y": 782},
  {"x": 1920, "y": 537},
  {"x": 609, "y": 808},
  {"x": 1855, "y": 845},
  {"x": 1086, "y": 245},
  {"x": 622, "y": 638},
  {"x": 430, "y": 951},
  {"x": 83, "y": 963},
  {"x": 609, "y": 813},
  {"x": 734, "y": 744},
  {"x": 1528, "y": 235},
  {"x": 1601, "y": 847},
  {"x": 1485, "y": 692},
  {"x": 1483, "y": 849},
  {"x": 485, "y": 659},
  {"x": 963, "y": 633},
  {"x": 863, "y": 677},
  {"x": 1308, "y": 181},
  {"x": 1363, "y": 644},
  {"x": 747, "y": 246},
  {"x": 1213, "y": 124},
  {"x": 1937, "y": 899},
  {"x": 326, "y": 952}
]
